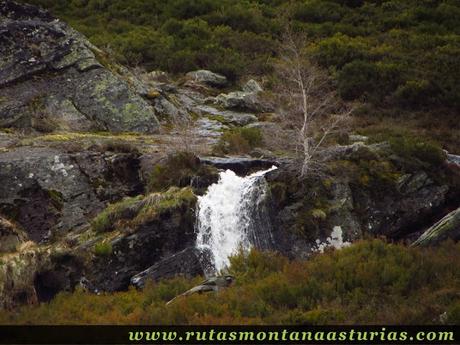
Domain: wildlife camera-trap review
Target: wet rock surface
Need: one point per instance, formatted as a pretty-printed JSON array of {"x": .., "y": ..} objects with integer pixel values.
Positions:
[{"x": 185, "y": 263}]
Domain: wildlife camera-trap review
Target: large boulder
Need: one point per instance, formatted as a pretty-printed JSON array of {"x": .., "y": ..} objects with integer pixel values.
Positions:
[
  {"x": 241, "y": 100},
  {"x": 447, "y": 227},
  {"x": 51, "y": 79},
  {"x": 249, "y": 99}
]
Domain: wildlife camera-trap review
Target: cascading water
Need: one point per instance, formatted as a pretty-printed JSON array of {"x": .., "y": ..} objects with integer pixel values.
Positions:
[{"x": 232, "y": 215}]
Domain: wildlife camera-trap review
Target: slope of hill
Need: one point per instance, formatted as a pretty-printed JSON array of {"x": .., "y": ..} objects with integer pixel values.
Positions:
[{"x": 398, "y": 53}]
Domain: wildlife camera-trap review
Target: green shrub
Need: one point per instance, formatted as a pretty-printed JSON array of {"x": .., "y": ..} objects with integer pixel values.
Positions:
[
  {"x": 239, "y": 38},
  {"x": 103, "y": 249},
  {"x": 370, "y": 282},
  {"x": 120, "y": 146},
  {"x": 179, "y": 169},
  {"x": 239, "y": 140},
  {"x": 414, "y": 93},
  {"x": 427, "y": 152}
]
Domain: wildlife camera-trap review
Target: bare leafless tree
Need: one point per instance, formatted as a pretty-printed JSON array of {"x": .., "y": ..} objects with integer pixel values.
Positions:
[{"x": 308, "y": 102}]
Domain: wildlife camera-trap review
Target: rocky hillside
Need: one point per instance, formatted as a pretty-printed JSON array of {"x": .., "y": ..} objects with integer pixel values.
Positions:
[
  {"x": 50, "y": 79},
  {"x": 101, "y": 166}
]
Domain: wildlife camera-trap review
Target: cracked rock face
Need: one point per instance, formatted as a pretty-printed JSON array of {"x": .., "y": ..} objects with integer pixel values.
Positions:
[{"x": 50, "y": 79}]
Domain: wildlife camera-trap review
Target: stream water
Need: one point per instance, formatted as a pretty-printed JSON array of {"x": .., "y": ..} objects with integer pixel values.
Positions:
[{"x": 232, "y": 216}]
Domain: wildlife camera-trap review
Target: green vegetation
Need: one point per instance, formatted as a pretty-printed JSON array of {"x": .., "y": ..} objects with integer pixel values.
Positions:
[
  {"x": 239, "y": 140},
  {"x": 133, "y": 211},
  {"x": 103, "y": 249},
  {"x": 403, "y": 53},
  {"x": 179, "y": 169},
  {"x": 370, "y": 282}
]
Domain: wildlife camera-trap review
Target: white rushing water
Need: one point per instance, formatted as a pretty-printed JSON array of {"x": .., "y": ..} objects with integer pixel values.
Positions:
[{"x": 232, "y": 215}]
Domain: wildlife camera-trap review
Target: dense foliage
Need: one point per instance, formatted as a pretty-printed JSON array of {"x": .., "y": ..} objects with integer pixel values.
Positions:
[
  {"x": 368, "y": 282},
  {"x": 398, "y": 52}
]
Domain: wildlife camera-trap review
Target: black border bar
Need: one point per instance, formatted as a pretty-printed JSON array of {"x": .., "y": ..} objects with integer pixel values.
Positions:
[{"x": 77, "y": 335}]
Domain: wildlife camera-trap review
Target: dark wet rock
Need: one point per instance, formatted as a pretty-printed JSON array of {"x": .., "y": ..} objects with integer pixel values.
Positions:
[
  {"x": 50, "y": 79},
  {"x": 447, "y": 227},
  {"x": 185, "y": 263},
  {"x": 208, "y": 78},
  {"x": 240, "y": 165},
  {"x": 44, "y": 190},
  {"x": 390, "y": 201},
  {"x": 61, "y": 272},
  {"x": 112, "y": 175},
  {"x": 48, "y": 191},
  {"x": 395, "y": 214}
]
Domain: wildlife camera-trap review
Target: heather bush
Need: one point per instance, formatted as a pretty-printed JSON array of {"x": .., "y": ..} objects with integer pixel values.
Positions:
[{"x": 370, "y": 282}]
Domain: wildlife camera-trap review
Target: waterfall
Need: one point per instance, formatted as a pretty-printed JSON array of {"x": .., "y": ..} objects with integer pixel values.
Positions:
[{"x": 231, "y": 216}]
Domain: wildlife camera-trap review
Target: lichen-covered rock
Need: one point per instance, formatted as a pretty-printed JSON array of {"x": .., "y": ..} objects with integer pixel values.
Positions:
[
  {"x": 50, "y": 79},
  {"x": 226, "y": 116},
  {"x": 242, "y": 100},
  {"x": 208, "y": 78},
  {"x": 447, "y": 227},
  {"x": 252, "y": 86}
]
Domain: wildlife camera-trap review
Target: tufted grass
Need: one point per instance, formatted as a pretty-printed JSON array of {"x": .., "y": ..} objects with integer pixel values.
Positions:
[{"x": 133, "y": 211}]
